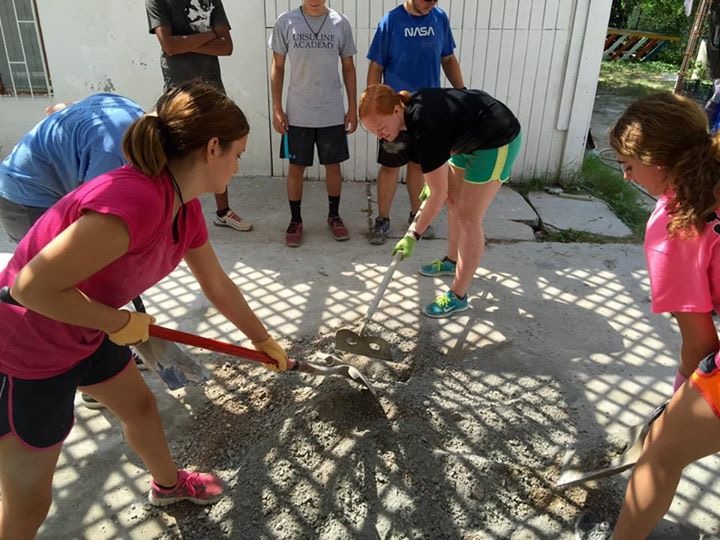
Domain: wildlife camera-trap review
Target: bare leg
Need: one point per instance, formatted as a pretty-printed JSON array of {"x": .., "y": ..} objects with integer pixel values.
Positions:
[
  {"x": 414, "y": 181},
  {"x": 455, "y": 183},
  {"x": 221, "y": 200},
  {"x": 295, "y": 182},
  {"x": 333, "y": 179},
  {"x": 386, "y": 186},
  {"x": 129, "y": 398},
  {"x": 26, "y": 485},
  {"x": 686, "y": 432},
  {"x": 471, "y": 207}
]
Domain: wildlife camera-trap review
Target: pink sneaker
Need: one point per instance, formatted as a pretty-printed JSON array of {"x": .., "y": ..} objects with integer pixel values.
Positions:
[
  {"x": 339, "y": 230},
  {"x": 293, "y": 235},
  {"x": 200, "y": 488}
]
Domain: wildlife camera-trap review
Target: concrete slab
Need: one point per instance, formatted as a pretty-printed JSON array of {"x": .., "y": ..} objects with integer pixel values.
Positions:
[
  {"x": 588, "y": 216},
  {"x": 564, "y": 329}
]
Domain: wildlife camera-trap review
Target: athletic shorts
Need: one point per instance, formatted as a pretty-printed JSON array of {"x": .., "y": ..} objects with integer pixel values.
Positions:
[
  {"x": 394, "y": 153},
  {"x": 17, "y": 219},
  {"x": 486, "y": 165},
  {"x": 298, "y": 145},
  {"x": 40, "y": 412},
  {"x": 706, "y": 379}
]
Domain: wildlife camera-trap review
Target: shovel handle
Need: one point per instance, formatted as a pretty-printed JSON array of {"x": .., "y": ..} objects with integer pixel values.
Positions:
[
  {"x": 386, "y": 279},
  {"x": 212, "y": 345}
]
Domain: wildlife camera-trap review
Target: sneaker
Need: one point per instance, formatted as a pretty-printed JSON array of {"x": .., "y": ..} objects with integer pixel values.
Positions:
[
  {"x": 380, "y": 231},
  {"x": 232, "y": 220},
  {"x": 339, "y": 230},
  {"x": 293, "y": 235},
  {"x": 142, "y": 366},
  {"x": 429, "y": 233},
  {"x": 445, "y": 305},
  {"x": 439, "y": 267},
  {"x": 589, "y": 527},
  {"x": 200, "y": 488},
  {"x": 90, "y": 402}
]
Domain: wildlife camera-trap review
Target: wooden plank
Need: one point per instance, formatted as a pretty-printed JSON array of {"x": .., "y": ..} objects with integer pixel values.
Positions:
[
  {"x": 497, "y": 13},
  {"x": 524, "y": 112},
  {"x": 550, "y": 19},
  {"x": 537, "y": 13},
  {"x": 573, "y": 65}
]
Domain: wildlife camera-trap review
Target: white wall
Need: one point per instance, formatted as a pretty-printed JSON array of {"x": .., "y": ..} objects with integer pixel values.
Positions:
[{"x": 541, "y": 57}]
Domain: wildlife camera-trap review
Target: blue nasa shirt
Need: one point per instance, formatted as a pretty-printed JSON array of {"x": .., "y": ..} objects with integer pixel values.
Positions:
[
  {"x": 67, "y": 148},
  {"x": 410, "y": 47}
]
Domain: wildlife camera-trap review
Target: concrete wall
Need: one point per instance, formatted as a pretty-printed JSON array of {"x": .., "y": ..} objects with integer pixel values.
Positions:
[{"x": 541, "y": 57}]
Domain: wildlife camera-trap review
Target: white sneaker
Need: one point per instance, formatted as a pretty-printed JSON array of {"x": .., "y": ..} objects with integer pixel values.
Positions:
[{"x": 232, "y": 220}]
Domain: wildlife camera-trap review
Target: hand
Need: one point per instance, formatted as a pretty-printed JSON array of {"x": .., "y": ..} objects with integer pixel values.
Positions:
[
  {"x": 351, "y": 121},
  {"x": 425, "y": 193},
  {"x": 135, "y": 329},
  {"x": 405, "y": 245},
  {"x": 270, "y": 347},
  {"x": 280, "y": 121}
]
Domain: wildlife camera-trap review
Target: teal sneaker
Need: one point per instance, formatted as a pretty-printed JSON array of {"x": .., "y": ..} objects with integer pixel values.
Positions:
[
  {"x": 439, "y": 267},
  {"x": 445, "y": 305}
]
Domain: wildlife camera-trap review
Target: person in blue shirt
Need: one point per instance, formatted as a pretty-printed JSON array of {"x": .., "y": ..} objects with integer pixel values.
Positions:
[
  {"x": 412, "y": 42},
  {"x": 72, "y": 145}
]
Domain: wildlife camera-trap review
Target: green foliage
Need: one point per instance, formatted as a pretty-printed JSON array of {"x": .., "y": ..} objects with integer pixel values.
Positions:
[
  {"x": 637, "y": 79},
  {"x": 604, "y": 182},
  {"x": 661, "y": 16}
]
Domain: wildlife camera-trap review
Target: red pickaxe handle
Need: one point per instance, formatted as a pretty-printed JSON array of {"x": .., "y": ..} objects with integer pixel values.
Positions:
[{"x": 213, "y": 345}]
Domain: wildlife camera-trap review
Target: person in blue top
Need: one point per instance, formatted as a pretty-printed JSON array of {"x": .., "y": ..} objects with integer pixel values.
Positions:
[
  {"x": 72, "y": 145},
  {"x": 412, "y": 42}
]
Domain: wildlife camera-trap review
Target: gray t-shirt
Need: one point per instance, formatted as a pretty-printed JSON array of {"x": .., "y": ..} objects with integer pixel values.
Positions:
[
  {"x": 314, "y": 46},
  {"x": 187, "y": 17}
]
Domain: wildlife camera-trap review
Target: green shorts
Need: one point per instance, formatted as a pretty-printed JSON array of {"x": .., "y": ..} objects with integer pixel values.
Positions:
[{"x": 486, "y": 165}]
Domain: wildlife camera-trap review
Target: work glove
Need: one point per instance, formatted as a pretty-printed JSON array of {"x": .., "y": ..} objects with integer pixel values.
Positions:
[
  {"x": 405, "y": 245},
  {"x": 425, "y": 193},
  {"x": 135, "y": 331},
  {"x": 270, "y": 347}
]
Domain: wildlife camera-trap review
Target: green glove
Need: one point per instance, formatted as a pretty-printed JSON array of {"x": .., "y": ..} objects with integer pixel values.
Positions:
[
  {"x": 405, "y": 246},
  {"x": 425, "y": 193}
]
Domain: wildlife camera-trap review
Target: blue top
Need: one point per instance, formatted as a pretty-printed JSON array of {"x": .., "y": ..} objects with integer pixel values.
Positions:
[
  {"x": 67, "y": 148},
  {"x": 410, "y": 47}
]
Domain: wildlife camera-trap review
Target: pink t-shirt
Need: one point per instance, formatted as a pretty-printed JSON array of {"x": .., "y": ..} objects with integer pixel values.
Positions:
[
  {"x": 33, "y": 346},
  {"x": 684, "y": 272}
]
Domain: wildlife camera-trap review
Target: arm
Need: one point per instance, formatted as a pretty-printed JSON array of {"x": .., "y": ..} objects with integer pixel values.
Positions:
[
  {"x": 277, "y": 77},
  {"x": 223, "y": 293},
  {"x": 172, "y": 44},
  {"x": 47, "y": 284},
  {"x": 222, "y": 46},
  {"x": 437, "y": 181},
  {"x": 451, "y": 67},
  {"x": 374, "y": 74},
  {"x": 350, "y": 80},
  {"x": 699, "y": 338}
]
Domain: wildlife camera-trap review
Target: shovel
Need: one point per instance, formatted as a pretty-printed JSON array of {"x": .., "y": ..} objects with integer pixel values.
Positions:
[
  {"x": 174, "y": 366},
  {"x": 359, "y": 343},
  {"x": 177, "y": 336},
  {"x": 571, "y": 476}
]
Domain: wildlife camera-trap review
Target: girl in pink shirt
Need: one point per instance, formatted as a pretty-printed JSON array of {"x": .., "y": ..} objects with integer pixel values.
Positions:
[
  {"x": 663, "y": 144},
  {"x": 91, "y": 253}
]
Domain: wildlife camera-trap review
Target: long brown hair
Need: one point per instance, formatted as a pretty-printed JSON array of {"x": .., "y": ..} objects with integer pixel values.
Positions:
[
  {"x": 672, "y": 131},
  {"x": 185, "y": 119},
  {"x": 381, "y": 99}
]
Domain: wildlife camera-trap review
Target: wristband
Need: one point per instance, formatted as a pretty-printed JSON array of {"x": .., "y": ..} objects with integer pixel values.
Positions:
[{"x": 417, "y": 235}]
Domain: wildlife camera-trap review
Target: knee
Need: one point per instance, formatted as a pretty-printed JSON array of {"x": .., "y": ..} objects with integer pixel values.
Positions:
[
  {"x": 142, "y": 407},
  {"x": 23, "y": 518}
]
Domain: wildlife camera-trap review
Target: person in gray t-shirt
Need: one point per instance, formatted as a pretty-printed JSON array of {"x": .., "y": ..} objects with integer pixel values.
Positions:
[
  {"x": 314, "y": 37},
  {"x": 192, "y": 34}
]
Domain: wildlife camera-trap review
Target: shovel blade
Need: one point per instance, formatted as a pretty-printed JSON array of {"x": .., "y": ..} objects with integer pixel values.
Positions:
[
  {"x": 570, "y": 476},
  {"x": 372, "y": 346},
  {"x": 174, "y": 366}
]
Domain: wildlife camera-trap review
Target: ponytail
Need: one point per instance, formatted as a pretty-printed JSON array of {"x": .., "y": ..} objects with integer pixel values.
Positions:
[
  {"x": 143, "y": 146},
  {"x": 186, "y": 118},
  {"x": 381, "y": 99}
]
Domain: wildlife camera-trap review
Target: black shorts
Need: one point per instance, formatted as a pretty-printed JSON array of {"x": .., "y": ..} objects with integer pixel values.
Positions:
[
  {"x": 40, "y": 412},
  {"x": 298, "y": 145},
  {"x": 394, "y": 153}
]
